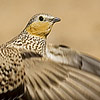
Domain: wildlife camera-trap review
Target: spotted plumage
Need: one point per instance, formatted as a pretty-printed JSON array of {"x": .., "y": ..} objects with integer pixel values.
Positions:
[
  {"x": 12, "y": 69},
  {"x": 31, "y": 70},
  {"x": 28, "y": 42}
]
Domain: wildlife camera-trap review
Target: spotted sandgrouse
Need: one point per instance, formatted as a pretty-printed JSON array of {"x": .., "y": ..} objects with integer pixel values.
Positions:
[{"x": 29, "y": 70}]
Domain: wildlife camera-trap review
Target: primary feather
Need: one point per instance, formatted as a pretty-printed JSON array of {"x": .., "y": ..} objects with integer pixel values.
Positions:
[
  {"x": 66, "y": 55},
  {"x": 31, "y": 70}
]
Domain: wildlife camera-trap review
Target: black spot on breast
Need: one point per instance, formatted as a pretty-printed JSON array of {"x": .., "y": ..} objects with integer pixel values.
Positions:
[
  {"x": 15, "y": 81},
  {"x": 10, "y": 69},
  {"x": 7, "y": 87},
  {"x": 22, "y": 77},
  {"x": 3, "y": 63},
  {"x": 19, "y": 80},
  {"x": 15, "y": 64},
  {"x": 2, "y": 89},
  {"x": 15, "y": 71}
]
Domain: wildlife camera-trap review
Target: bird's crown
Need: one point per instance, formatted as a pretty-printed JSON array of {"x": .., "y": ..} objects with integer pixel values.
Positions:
[
  {"x": 33, "y": 37},
  {"x": 41, "y": 24}
]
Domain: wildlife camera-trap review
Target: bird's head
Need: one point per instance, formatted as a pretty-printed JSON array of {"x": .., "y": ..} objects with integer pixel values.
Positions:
[{"x": 41, "y": 24}]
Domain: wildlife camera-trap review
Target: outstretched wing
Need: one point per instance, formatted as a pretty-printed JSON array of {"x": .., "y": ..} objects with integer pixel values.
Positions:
[
  {"x": 48, "y": 80},
  {"x": 68, "y": 56}
]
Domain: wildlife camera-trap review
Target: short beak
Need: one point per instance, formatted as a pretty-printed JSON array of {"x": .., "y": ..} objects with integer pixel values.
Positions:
[{"x": 56, "y": 19}]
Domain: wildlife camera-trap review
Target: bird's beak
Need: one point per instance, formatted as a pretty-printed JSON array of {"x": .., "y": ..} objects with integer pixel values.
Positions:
[{"x": 56, "y": 19}]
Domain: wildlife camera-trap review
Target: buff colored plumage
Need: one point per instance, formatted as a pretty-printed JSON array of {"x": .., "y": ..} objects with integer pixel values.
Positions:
[{"x": 31, "y": 70}]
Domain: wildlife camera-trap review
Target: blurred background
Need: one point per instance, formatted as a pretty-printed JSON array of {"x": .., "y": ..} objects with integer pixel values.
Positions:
[{"x": 79, "y": 28}]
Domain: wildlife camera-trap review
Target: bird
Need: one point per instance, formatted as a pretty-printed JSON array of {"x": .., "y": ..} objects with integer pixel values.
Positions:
[
  {"x": 32, "y": 70},
  {"x": 68, "y": 56}
]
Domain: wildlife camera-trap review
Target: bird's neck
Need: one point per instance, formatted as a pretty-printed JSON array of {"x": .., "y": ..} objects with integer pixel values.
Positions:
[{"x": 29, "y": 42}]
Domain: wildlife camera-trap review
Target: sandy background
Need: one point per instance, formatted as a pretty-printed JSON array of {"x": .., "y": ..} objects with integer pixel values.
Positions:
[{"x": 79, "y": 28}]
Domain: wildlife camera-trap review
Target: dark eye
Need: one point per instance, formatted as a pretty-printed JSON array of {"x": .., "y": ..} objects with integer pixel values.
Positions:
[{"x": 41, "y": 18}]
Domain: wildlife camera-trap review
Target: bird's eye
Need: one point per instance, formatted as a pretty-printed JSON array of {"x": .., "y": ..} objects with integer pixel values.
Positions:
[{"x": 41, "y": 18}]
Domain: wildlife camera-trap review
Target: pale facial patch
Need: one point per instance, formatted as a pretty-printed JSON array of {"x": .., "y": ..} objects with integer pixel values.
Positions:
[{"x": 40, "y": 29}]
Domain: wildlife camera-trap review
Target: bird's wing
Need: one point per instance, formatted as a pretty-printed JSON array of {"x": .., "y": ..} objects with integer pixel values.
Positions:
[
  {"x": 48, "y": 80},
  {"x": 68, "y": 56}
]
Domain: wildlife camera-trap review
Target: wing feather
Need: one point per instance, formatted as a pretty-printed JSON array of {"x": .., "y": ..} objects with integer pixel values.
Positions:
[
  {"x": 48, "y": 80},
  {"x": 65, "y": 55}
]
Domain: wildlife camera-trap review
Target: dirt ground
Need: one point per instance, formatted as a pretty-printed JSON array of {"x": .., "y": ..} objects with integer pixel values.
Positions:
[{"x": 79, "y": 28}]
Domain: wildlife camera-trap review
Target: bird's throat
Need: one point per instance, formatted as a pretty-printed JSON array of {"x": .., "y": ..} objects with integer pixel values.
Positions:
[{"x": 41, "y": 29}]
